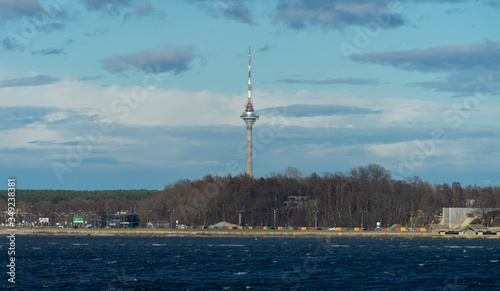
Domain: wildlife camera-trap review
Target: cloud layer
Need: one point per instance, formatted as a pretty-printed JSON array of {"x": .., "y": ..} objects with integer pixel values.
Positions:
[
  {"x": 299, "y": 14},
  {"x": 308, "y": 110},
  {"x": 37, "y": 80},
  {"x": 226, "y": 10},
  {"x": 472, "y": 68},
  {"x": 174, "y": 60},
  {"x": 348, "y": 81},
  {"x": 444, "y": 58}
]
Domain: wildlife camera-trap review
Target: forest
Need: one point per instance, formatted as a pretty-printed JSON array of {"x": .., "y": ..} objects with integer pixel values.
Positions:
[{"x": 362, "y": 196}]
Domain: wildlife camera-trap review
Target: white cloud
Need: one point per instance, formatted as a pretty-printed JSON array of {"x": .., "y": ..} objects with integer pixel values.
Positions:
[{"x": 171, "y": 129}]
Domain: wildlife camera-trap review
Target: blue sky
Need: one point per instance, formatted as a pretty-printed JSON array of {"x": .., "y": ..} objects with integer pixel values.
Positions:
[{"x": 137, "y": 94}]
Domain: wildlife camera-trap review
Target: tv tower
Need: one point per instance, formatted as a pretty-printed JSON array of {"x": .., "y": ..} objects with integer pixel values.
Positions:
[{"x": 249, "y": 117}]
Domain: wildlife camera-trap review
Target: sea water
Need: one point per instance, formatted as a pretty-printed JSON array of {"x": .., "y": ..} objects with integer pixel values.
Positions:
[{"x": 206, "y": 263}]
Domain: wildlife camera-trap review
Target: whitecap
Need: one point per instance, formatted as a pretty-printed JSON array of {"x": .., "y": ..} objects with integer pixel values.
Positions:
[
  {"x": 230, "y": 245},
  {"x": 240, "y": 273}
]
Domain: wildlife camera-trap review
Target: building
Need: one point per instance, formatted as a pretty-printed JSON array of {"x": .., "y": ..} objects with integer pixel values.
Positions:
[
  {"x": 453, "y": 216},
  {"x": 122, "y": 220},
  {"x": 299, "y": 202},
  {"x": 249, "y": 117},
  {"x": 475, "y": 229}
]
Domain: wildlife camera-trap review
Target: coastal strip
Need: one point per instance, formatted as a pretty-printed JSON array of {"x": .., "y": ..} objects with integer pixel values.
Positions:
[{"x": 236, "y": 233}]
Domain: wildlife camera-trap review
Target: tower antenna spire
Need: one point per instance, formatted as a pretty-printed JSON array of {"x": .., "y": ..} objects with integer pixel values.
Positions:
[{"x": 249, "y": 104}]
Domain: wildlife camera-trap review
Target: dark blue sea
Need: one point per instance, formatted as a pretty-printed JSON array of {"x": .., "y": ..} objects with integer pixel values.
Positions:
[{"x": 180, "y": 263}]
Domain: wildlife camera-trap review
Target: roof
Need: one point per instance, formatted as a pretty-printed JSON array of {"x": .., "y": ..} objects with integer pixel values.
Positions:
[
  {"x": 476, "y": 227},
  {"x": 440, "y": 227}
]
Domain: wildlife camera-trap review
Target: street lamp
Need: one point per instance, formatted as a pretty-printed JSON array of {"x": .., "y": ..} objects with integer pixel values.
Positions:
[
  {"x": 32, "y": 217},
  {"x": 274, "y": 214},
  {"x": 171, "y": 218},
  {"x": 362, "y": 212},
  {"x": 239, "y": 216},
  {"x": 54, "y": 223},
  {"x": 315, "y": 218}
]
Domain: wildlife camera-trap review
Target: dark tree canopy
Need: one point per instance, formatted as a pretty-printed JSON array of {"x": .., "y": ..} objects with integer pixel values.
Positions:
[{"x": 363, "y": 195}]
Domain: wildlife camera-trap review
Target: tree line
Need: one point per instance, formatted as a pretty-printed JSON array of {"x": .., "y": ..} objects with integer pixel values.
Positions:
[{"x": 361, "y": 196}]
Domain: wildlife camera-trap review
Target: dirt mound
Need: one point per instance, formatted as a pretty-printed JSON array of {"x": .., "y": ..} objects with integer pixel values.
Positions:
[{"x": 222, "y": 224}]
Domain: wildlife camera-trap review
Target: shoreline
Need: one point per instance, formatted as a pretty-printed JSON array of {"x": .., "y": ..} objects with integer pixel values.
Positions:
[{"x": 238, "y": 233}]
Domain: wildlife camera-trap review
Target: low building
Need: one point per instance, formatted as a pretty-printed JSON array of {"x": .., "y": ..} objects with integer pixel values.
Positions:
[
  {"x": 441, "y": 229},
  {"x": 122, "y": 219},
  {"x": 299, "y": 201},
  {"x": 475, "y": 229},
  {"x": 453, "y": 215}
]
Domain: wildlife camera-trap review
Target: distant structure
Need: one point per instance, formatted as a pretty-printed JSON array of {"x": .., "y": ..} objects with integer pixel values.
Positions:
[{"x": 249, "y": 117}]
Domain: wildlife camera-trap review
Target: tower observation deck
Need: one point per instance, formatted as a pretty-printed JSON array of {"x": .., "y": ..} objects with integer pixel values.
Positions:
[{"x": 249, "y": 117}]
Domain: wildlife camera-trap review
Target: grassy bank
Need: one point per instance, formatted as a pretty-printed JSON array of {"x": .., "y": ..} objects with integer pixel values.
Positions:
[{"x": 231, "y": 233}]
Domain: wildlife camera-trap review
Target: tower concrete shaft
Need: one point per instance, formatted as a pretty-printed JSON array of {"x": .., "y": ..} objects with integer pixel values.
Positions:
[{"x": 249, "y": 122}]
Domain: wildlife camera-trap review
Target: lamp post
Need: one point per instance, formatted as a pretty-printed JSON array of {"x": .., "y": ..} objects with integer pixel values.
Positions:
[
  {"x": 54, "y": 223},
  {"x": 411, "y": 219},
  {"x": 362, "y": 212},
  {"x": 171, "y": 218},
  {"x": 32, "y": 217},
  {"x": 204, "y": 217},
  {"x": 239, "y": 216},
  {"x": 274, "y": 214},
  {"x": 315, "y": 218}
]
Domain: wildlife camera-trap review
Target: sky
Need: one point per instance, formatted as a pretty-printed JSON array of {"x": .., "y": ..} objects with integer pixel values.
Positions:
[{"x": 139, "y": 94}]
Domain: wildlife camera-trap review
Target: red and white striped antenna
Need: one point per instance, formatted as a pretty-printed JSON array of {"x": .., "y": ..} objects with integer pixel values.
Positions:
[{"x": 249, "y": 106}]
